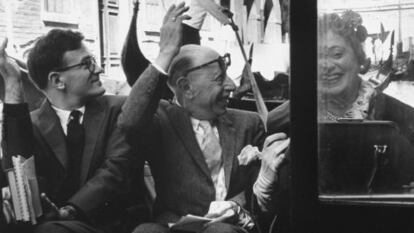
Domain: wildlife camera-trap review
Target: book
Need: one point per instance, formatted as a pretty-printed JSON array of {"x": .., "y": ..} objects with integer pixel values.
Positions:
[
  {"x": 190, "y": 223},
  {"x": 24, "y": 191}
]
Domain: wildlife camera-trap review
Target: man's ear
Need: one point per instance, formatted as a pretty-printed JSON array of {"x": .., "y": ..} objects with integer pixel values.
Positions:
[
  {"x": 183, "y": 84},
  {"x": 55, "y": 80}
]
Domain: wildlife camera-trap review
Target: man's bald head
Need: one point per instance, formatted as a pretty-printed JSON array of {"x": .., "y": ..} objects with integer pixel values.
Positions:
[
  {"x": 189, "y": 56},
  {"x": 199, "y": 81}
]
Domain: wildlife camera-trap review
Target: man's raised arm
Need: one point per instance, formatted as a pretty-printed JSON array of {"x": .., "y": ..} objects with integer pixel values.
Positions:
[{"x": 146, "y": 93}]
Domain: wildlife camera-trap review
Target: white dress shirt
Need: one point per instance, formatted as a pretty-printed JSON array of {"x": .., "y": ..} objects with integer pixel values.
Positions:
[
  {"x": 64, "y": 117},
  {"x": 219, "y": 180}
]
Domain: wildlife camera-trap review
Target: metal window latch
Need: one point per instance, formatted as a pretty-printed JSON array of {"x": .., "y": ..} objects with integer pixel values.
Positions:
[{"x": 380, "y": 149}]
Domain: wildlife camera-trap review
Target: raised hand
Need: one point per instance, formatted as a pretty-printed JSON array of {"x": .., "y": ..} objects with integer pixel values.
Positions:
[
  {"x": 8, "y": 67},
  {"x": 171, "y": 34},
  {"x": 10, "y": 72}
]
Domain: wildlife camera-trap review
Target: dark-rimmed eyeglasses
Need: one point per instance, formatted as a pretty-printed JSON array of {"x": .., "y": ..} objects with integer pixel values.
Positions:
[
  {"x": 223, "y": 61},
  {"x": 89, "y": 63}
]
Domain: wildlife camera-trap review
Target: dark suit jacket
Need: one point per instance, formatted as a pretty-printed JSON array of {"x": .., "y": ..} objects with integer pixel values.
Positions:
[
  {"x": 107, "y": 164},
  {"x": 278, "y": 119},
  {"x": 385, "y": 107},
  {"x": 182, "y": 178}
]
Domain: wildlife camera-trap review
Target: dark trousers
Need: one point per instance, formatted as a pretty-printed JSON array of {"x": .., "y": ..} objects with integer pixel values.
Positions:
[
  {"x": 212, "y": 228},
  {"x": 66, "y": 227}
]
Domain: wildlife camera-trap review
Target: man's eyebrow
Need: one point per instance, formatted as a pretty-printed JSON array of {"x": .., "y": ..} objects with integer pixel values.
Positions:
[{"x": 87, "y": 57}]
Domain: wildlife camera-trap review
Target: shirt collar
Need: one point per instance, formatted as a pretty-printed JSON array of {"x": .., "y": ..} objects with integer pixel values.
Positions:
[
  {"x": 60, "y": 111},
  {"x": 64, "y": 115},
  {"x": 194, "y": 121}
]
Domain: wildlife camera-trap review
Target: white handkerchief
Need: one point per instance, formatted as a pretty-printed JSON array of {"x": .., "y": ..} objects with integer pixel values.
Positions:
[{"x": 248, "y": 154}]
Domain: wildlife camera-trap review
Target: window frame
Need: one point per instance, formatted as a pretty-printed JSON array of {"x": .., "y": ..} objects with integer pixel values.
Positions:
[
  {"x": 303, "y": 157},
  {"x": 306, "y": 212},
  {"x": 72, "y": 17}
]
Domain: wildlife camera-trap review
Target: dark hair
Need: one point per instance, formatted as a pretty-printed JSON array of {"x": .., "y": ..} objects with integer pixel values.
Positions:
[
  {"x": 349, "y": 26},
  {"x": 47, "y": 54}
]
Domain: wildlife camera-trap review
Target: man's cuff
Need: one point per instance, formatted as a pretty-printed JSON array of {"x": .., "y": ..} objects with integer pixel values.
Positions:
[
  {"x": 79, "y": 214},
  {"x": 244, "y": 218},
  {"x": 16, "y": 110},
  {"x": 161, "y": 70}
]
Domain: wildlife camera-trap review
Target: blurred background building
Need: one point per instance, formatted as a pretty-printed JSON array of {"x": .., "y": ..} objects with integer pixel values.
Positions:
[{"x": 105, "y": 23}]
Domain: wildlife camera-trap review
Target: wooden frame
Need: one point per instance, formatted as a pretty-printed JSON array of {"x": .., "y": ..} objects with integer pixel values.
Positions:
[{"x": 307, "y": 213}]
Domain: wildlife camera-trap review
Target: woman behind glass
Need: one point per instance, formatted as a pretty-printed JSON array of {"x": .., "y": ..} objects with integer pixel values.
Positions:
[{"x": 343, "y": 93}]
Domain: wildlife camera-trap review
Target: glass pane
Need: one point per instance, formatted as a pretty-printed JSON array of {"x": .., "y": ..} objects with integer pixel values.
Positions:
[
  {"x": 114, "y": 39},
  {"x": 366, "y": 100},
  {"x": 57, "y": 6}
]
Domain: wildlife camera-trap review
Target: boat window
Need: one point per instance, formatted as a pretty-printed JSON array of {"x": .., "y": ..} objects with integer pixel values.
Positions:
[{"x": 365, "y": 103}]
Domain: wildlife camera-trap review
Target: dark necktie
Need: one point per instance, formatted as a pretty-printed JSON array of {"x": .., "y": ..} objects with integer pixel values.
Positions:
[{"x": 75, "y": 141}]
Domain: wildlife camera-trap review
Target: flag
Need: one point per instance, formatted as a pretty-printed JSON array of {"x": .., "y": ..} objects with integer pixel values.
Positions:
[
  {"x": 225, "y": 3},
  {"x": 215, "y": 10},
  {"x": 284, "y": 8},
  {"x": 267, "y": 10},
  {"x": 245, "y": 84},
  {"x": 248, "y": 4},
  {"x": 383, "y": 34},
  {"x": 132, "y": 60}
]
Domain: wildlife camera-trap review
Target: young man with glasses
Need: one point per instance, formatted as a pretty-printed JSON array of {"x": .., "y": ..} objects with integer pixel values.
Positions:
[
  {"x": 83, "y": 163},
  {"x": 201, "y": 154}
]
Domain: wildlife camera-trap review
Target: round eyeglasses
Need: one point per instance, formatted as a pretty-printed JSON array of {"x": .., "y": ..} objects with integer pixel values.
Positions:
[
  {"x": 223, "y": 61},
  {"x": 88, "y": 62}
]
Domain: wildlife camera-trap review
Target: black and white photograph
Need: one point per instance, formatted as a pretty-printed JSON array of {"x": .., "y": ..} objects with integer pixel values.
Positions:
[{"x": 206, "y": 116}]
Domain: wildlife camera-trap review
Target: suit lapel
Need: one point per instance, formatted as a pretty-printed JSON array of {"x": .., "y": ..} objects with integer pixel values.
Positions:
[
  {"x": 181, "y": 123},
  {"x": 228, "y": 138},
  {"x": 51, "y": 129},
  {"x": 92, "y": 121}
]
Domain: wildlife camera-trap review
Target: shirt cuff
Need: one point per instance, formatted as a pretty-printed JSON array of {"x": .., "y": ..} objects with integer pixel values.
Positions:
[
  {"x": 16, "y": 110},
  {"x": 161, "y": 70},
  {"x": 80, "y": 215}
]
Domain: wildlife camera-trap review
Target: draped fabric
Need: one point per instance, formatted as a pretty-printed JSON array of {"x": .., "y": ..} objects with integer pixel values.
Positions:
[
  {"x": 225, "y": 3},
  {"x": 132, "y": 59},
  {"x": 267, "y": 10},
  {"x": 284, "y": 9},
  {"x": 248, "y": 4}
]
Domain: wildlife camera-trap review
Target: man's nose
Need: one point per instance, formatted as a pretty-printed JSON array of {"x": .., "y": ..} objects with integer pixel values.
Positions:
[
  {"x": 229, "y": 85},
  {"x": 98, "y": 69}
]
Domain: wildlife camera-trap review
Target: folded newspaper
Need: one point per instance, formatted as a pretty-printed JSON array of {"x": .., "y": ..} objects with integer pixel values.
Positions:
[{"x": 190, "y": 223}]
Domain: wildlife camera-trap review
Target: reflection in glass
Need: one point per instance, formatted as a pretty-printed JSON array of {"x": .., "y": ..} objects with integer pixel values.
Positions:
[{"x": 366, "y": 134}]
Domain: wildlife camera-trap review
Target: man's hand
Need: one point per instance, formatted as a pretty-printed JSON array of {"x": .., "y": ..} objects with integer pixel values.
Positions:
[
  {"x": 55, "y": 213},
  {"x": 11, "y": 74},
  {"x": 221, "y": 211},
  {"x": 272, "y": 155},
  {"x": 171, "y": 35}
]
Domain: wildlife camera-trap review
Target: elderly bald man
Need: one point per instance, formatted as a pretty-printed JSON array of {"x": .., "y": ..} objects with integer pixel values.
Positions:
[{"x": 193, "y": 142}]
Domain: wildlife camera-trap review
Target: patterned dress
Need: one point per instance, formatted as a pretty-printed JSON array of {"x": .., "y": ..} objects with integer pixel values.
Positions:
[{"x": 359, "y": 108}]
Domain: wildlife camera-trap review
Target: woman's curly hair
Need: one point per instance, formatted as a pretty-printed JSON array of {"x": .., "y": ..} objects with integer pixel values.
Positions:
[{"x": 349, "y": 26}]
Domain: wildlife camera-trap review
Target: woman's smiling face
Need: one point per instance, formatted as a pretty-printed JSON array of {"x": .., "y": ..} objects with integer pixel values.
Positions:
[{"x": 338, "y": 65}]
